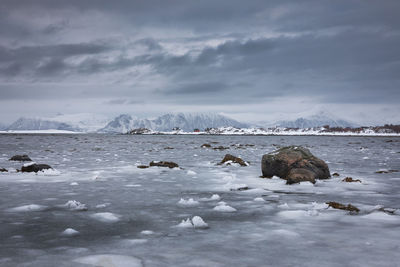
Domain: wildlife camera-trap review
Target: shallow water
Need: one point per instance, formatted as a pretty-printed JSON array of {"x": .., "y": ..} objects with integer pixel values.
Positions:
[{"x": 274, "y": 224}]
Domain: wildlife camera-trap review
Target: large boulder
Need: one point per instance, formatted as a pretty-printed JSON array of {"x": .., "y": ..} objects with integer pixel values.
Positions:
[{"x": 294, "y": 164}]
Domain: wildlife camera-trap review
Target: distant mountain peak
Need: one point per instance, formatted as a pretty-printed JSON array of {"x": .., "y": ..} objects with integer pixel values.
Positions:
[{"x": 166, "y": 122}]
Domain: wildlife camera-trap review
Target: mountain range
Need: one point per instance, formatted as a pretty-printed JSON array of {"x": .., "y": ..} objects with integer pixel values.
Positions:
[{"x": 187, "y": 122}]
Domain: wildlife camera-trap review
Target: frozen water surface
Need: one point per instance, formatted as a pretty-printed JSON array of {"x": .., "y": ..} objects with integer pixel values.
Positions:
[{"x": 274, "y": 224}]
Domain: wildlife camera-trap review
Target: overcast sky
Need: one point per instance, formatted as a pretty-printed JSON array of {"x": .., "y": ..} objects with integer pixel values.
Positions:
[{"x": 251, "y": 60}]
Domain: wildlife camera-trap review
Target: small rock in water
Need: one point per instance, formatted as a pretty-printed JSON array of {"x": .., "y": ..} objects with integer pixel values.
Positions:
[
  {"x": 20, "y": 158},
  {"x": 220, "y": 148},
  {"x": 3, "y": 170},
  {"x": 205, "y": 146},
  {"x": 70, "y": 232},
  {"x": 340, "y": 206},
  {"x": 168, "y": 164},
  {"x": 232, "y": 159},
  {"x": 335, "y": 174},
  {"x": 350, "y": 180},
  {"x": 143, "y": 166},
  {"x": 35, "y": 167}
]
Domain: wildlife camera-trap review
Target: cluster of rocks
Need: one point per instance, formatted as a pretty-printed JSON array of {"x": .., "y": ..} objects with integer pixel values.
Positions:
[
  {"x": 215, "y": 148},
  {"x": 28, "y": 167}
]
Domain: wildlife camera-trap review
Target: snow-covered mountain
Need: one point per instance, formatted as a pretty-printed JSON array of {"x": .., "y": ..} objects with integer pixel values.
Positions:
[
  {"x": 87, "y": 122},
  {"x": 185, "y": 121},
  {"x": 321, "y": 119},
  {"x": 39, "y": 124}
]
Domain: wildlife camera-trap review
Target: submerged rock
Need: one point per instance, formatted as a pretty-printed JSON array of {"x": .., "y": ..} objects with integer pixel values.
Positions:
[
  {"x": 294, "y": 164},
  {"x": 220, "y": 148},
  {"x": 35, "y": 167},
  {"x": 340, "y": 206},
  {"x": 3, "y": 170},
  {"x": 232, "y": 159},
  {"x": 350, "y": 180},
  {"x": 335, "y": 174},
  {"x": 20, "y": 158},
  {"x": 205, "y": 146},
  {"x": 143, "y": 166},
  {"x": 168, "y": 164}
]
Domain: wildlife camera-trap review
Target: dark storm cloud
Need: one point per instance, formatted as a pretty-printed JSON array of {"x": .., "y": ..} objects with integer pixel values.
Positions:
[{"x": 343, "y": 51}]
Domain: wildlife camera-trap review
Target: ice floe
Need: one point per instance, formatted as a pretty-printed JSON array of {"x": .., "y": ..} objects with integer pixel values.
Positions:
[
  {"x": 188, "y": 202},
  {"x": 75, "y": 205},
  {"x": 110, "y": 260},
  {"x": 25, "y": 208},
  {"x": 195, "y": 222},
  {"x": 70, "y": 232},
  {"x": 223, "y": 207},
  {"x": 106, "y": 217}
]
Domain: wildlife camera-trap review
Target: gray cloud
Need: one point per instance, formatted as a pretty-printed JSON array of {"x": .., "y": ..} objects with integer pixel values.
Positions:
[{"x": 215, "y": 52}]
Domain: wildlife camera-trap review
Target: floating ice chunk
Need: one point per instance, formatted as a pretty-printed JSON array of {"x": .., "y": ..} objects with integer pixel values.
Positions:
[
  {"x": 147, "y": 232},
  {"x": 133, "y": 185},
  {"x": 189, "y": 202},
  {"x": 30, "y": 207},
  {"x": 70, "y": 232},
  {"x": 195, "y": 222},
  {"x": 74, "y": 183},
  {"x": 223, "y": 207},
  {"x": 259, "y": 199},
  {"x": 107, "y": 260},
  {"x": 283, "y": 206},
  {"x": 106, "y": 217},
  {"x": 75, "y": 205},
  {"x": 185, "y": 223},
  {"x": 100, "y": 206},
  {"x": 214, "y": 197},
  {"x": 191, "y": 173},
  {"x": 365, "y": 157},
  {"x": 198, "y": 222},
  {"x": 49, "y": 172}
]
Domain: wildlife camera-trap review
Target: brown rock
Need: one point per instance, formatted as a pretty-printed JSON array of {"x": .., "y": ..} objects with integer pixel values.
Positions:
[
  {"x": 205, "y": 146},
  {"x": 20, "y": 158},
  {"x": 220, "y": 148},
  {"x": 335, "y": 174},
  {"x": 35, "y": 167},
  {"x": 143, "y": 166},
  {"x": 339, "y": 206},
  {"x": 350, "y": 180},
  {"x": 168, "y": 164},
  {"x": 233, "y": 159},
  {"x": 294, "y": 164}
]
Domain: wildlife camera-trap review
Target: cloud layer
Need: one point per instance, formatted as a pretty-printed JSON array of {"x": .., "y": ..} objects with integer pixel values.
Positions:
[{"x": 237, "y": 57}]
